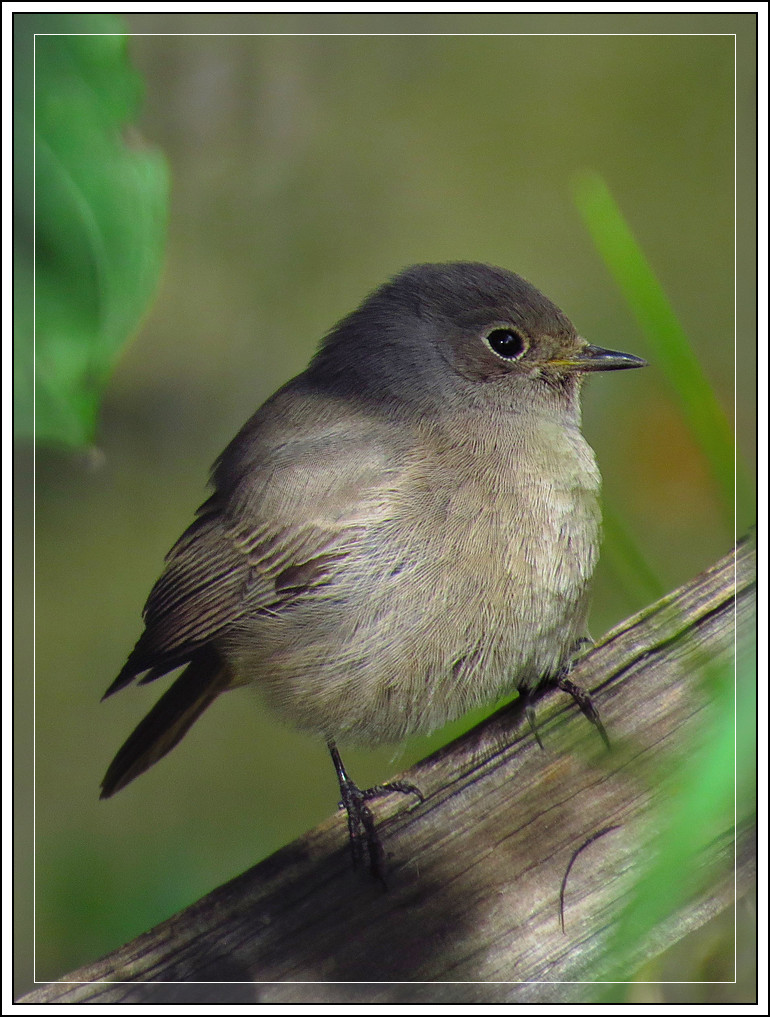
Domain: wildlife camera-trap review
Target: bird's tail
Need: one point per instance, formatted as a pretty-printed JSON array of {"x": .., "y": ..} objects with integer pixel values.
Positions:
[{"x": 169, "y": 720}]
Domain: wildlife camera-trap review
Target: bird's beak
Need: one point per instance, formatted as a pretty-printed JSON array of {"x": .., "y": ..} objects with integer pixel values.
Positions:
[{"x": 595, "y": 358}]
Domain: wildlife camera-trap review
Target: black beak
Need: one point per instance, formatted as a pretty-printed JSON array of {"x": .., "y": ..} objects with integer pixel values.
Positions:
[{"x": 595, "y": 358}]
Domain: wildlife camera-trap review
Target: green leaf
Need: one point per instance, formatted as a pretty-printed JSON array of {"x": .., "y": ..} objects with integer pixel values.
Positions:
[
  {"x": 695, "y": 807},
  {"x": 100, "y": 206}
]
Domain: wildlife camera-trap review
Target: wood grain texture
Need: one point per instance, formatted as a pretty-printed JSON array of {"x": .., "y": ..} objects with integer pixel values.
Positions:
[{"x": 475, "y": 872}]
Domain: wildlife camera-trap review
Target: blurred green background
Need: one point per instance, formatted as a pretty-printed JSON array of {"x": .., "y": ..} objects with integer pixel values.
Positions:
[{"x": 305, "y": 170}]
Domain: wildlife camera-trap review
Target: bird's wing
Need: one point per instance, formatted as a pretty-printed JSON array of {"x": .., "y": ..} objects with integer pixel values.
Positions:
[{"x": 276, "y": 529}]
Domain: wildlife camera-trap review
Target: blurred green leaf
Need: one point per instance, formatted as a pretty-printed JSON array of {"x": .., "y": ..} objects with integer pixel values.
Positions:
[
  {"x": 672, "y": 350},
  {"x": 100, "y": 205},
  {"x": 696, "y": 806}
]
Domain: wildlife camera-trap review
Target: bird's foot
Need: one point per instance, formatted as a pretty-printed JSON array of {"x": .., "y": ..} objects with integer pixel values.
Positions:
[
  {"x": 579, "y": 695},
  {"x": 583, "y": 700},
  {"x": 364, "y": 839},
  {"x": 531, "y": 714}
]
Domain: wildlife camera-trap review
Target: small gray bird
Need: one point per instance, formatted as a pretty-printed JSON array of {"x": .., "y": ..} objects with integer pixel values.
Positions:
[{"x": 405, "y": 531}]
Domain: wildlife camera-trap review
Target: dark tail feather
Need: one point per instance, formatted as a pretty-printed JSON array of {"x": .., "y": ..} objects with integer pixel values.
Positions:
[{"x": 168, "y": 721}]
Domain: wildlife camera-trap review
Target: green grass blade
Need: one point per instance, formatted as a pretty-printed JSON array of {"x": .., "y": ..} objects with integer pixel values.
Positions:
[{"x": 671, "y": 349}]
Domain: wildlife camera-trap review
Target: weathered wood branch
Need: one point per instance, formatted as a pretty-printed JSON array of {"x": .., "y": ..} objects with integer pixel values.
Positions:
[{"x": 476, "y": 870}]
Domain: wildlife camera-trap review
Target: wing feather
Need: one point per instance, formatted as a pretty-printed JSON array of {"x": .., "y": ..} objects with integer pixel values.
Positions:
[{"x": 275, "y": 529}]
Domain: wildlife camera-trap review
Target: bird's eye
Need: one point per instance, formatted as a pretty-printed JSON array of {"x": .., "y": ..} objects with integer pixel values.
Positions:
[{"x": 506, "y": 343}]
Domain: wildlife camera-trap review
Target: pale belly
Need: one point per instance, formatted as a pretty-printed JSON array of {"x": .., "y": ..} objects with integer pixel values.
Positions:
[{"x": 464, "y": 593}]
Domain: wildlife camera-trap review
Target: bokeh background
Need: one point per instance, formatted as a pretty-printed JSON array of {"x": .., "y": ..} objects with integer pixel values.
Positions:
[{"x": 306, "y": 169}]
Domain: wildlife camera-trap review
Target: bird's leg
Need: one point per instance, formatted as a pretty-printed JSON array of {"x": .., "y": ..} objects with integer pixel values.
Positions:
[
  {"x": 584, "y": 701},
  {"x": 531, "y": 714},
  {"x": 361, "y": 828},
  {"x": 566, "y": 683},
  {"x": 580, "y": 696}
]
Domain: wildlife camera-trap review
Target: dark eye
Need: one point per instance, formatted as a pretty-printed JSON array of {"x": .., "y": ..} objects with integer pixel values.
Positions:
[{"x": 506, "y": 343}]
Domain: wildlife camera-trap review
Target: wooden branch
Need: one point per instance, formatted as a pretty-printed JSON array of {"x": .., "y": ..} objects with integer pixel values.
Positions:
[{"x": 475, "y": 872}]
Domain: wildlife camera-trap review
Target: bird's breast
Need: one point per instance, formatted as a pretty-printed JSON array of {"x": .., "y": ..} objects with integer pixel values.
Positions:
[
  {"x": 477, "y": 580},
  {"x": 512, "y": 527},
  {"x": 470, "y": 582}
]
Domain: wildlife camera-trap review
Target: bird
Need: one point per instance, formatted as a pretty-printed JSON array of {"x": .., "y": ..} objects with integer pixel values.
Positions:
[{"x": 405, "y": 531}]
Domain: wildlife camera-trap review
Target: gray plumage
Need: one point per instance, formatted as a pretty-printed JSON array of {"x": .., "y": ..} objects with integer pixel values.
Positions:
[{"x": 406, "y": 530}]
